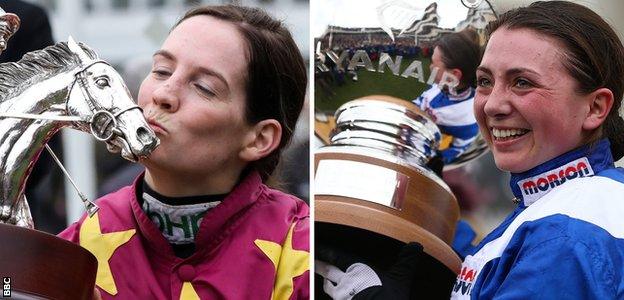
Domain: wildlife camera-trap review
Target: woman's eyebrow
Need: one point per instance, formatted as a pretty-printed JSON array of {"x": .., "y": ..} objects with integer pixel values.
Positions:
[
  {"x": 164, "y": 53},
  {"x": 516, "y": 71},
  {"x": 168, "y": 55},
  {"x": 484, "y": 69},
  {"x": 510, "y": 72},
  {"x": 211, "y": 72}
]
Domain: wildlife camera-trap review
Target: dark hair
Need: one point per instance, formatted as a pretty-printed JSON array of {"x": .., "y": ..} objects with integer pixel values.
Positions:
[
  {"x": 276, "y": 79},
  {"x": 461, "y": 50},
  {"x": 593, "y": 53}
]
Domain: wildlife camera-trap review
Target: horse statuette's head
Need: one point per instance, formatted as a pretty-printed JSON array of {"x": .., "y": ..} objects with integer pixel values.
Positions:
[{"x": 99, "y": 95}]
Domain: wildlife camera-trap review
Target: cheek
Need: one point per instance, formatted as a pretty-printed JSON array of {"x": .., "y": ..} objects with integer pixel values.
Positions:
[
  {"x": 479, "y": 104},
  {"x": 550, "y": 114},
  {"x": 208, "y": 122},
  {"x": 145, "y": 90}
]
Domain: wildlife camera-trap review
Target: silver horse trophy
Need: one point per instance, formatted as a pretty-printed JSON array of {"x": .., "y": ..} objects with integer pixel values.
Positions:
[{"x": 64, "y": 85}]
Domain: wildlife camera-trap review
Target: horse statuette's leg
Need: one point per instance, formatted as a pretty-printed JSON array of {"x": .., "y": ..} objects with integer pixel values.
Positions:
[{"x": 23, "y": 218}]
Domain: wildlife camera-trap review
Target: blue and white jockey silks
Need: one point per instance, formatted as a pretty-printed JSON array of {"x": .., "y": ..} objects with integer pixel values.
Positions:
[
  {"x": 565, "y": 240},
  {"x": 454, "y": 116}
]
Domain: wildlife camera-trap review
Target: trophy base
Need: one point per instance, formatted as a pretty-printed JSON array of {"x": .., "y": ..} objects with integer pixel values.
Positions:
[
  {"x": 37, "y": 265},
  {"x": 433, "y": 279},
  {"x": 341, "y": 211}
]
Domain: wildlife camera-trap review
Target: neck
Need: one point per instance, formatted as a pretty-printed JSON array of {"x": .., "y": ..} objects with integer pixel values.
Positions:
[
  {"x": 172, "y": 184},
  {"x": 22, "y": 140}
]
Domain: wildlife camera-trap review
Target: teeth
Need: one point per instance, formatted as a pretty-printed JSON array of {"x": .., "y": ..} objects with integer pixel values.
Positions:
[{"x": 503, "y": 133}]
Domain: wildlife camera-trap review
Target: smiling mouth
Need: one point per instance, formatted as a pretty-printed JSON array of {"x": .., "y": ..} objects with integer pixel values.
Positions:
[{"x": 507, "y": 134}]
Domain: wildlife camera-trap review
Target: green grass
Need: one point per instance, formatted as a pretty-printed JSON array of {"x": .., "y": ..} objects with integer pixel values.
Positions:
[{"x": 372, "y": 83}]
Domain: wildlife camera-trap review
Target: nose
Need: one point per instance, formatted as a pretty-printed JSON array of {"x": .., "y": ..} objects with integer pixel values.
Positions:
[
  {"x": 498, "y": 104},
  {"x": 166, "y": 96}
]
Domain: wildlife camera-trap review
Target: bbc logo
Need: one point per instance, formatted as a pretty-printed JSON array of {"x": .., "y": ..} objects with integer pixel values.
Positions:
[{"x": 6, "y": 287}]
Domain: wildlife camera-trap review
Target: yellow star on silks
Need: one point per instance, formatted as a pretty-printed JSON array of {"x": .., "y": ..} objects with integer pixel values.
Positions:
[
  {"x": 188, "y": 292},
  {"x": 102, "y": 245},
  {"x": 289, "y": 263}
]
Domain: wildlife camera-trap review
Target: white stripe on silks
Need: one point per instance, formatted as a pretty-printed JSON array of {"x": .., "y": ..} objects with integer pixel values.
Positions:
[
  {"x": 430, "y": 93},
  {"x": 457, "y": 142},
  {"x": 457, "y": 114},
  {"x": 577, "y": 199},
  {"x": 427, "y": 96}
]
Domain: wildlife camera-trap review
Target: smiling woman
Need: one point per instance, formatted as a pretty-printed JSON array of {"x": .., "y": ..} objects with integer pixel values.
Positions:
[
  {"x": 549, "y": 89},
  {"x": 223, "y": 96}
]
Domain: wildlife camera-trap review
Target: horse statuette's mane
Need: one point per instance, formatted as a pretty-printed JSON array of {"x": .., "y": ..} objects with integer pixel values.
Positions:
[{"x": 37, "y": 66}]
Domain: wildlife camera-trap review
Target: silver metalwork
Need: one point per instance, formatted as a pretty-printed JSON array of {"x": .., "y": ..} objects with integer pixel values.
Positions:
[
  {"x": 471, "y": 3},
  {"x": 387, "y": 127},
  {"x": 105, "y": 120},
  {"x": 382, "y": 155},
  {"x": 392, "y": 128},
  {"x": 381, "y": 130},
  {"x": 64, "y": 85},
  {"x": 474, "y": 151},
  {"x": 361, "y": 181},
  {"x": 9, "y": 24},
  {"x": 91, "y": 207}
]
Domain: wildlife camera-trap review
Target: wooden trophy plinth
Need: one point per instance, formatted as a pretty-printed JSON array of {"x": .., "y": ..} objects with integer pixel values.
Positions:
[
  {"x": 37, "y": 265},
  {"x": 427, "y": 212}
]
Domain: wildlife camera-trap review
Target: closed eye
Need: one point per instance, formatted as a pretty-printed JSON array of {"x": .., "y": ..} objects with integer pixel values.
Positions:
[
  {"x": 204, "y": 90},
  {"x": 159, "y": 73}
]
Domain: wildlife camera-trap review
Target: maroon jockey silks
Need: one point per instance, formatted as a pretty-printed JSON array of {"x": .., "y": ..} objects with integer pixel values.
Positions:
[{"x": 240, "y": 246}]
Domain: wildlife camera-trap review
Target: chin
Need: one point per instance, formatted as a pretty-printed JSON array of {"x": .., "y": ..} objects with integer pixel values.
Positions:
[
  {"x": 154, "y": 160},
  {"x": 511, "y": 164}
]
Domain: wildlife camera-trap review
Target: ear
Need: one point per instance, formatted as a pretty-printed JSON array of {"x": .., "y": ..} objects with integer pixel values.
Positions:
[
  {"x": 264, "y": 137},
  {"x": 600, "y": 103},
  {"x": 77, "y": 50},
  {"x": 457, "y": 73},
  {"x": 450, "y": 80}
]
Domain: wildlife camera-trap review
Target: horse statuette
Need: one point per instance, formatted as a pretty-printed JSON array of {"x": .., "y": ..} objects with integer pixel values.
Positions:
[{"x": 64, "y": 85}]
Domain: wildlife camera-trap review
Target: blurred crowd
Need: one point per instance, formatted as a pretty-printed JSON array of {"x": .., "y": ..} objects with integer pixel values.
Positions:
[{"x": 374, "y": 43}]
